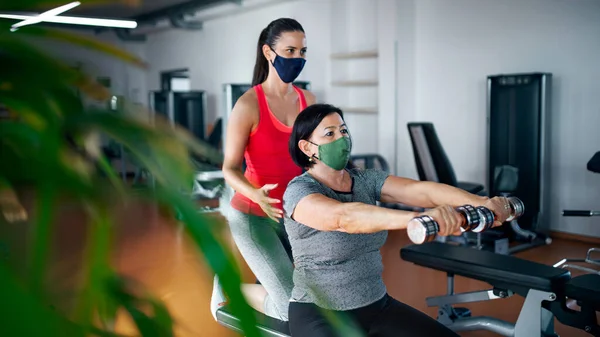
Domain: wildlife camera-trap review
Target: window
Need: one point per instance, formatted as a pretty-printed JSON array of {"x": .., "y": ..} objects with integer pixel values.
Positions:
[{"x": 175, "y": 80}]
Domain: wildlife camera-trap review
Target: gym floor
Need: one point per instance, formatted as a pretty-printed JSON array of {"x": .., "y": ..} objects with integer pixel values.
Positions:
[{"x": 154, "y": 252}]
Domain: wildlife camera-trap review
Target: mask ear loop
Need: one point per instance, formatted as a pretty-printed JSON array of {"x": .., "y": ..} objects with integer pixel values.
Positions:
[
  {"x": 314, "y": 156},
  {"x": 276, "y": 55}
]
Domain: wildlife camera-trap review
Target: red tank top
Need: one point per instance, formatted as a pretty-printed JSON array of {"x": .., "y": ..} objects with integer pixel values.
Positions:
[{"x": 268, "y": 160}]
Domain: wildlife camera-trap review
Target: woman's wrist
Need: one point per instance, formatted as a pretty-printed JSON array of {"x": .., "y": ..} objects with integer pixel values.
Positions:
[
  {"x": 479, "y": 200},
  {"x": 403, "y": 218},
  {"x": 254, "y": 195}
]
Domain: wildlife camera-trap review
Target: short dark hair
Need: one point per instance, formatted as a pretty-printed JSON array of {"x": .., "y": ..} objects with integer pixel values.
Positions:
[
  {"x": 269, "y": 36},
  {"x": 305, "y": 124}
]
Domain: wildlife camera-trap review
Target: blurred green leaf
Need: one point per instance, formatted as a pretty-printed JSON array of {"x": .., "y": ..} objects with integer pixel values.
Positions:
[
  {"x": 22, "y": 133},
  {"x": 46, "y": 148},
  {"x": 150, "y": 316},
  {"x": 26, "y": 315},
  {"x": 167, "y": 159},
  {"x": 42, "y": 237},
  {"x": 96, "y": 270},
  {"x": 17, "y": 52},
  {"x": 203, "y": 231}
]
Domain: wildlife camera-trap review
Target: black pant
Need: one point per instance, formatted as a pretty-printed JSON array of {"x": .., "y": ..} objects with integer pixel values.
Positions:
[{"x": 386, "y": 317}]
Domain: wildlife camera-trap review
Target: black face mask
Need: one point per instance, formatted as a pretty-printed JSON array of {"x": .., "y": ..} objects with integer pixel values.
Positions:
[{"x": 288, "y": 69}]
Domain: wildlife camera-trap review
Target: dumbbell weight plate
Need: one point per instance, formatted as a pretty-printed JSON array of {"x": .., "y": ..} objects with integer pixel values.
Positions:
[
  {"x": 471, "y": 216},
  {"x": 486, "y": 219},
  {"x": 422, "y": 229},
  {"x": 517, "y": 208}
]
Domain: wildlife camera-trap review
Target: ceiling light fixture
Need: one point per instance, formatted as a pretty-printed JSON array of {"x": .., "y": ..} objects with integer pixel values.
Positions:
[
  {"x": 52, "y": 16},
  {"x": 47, "y": 14}
]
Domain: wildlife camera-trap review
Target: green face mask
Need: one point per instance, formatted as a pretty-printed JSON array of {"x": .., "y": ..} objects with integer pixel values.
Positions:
[{"x": 335, "y": 154}]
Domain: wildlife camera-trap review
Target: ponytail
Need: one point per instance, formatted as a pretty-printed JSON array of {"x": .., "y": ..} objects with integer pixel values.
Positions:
[
  {"x": 261, "y": 67},
  {"x": 269, "y": 36}
]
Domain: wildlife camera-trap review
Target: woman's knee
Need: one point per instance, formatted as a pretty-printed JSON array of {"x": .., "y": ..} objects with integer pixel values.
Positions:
[{"x": 278, "y": 310}]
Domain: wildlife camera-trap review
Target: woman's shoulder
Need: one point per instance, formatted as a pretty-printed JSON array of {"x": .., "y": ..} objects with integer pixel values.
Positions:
[
  {"x": 302, "y": 184},
  {"x": 247, "y": 106},
  {"x": 304, "y": 178},
  {"x": 309, "y": 97},
  {"x": 248, "y": 100}
]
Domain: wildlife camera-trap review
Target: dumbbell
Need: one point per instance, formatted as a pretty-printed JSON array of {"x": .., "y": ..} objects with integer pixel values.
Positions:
[
  {"x": 476, "y": 219},
  {"x": 517, "y": 208},
  {"x": 424, "y": 229}
]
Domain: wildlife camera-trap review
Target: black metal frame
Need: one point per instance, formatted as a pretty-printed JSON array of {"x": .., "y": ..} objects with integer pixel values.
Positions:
[
  {"x": 179, "y": 9},
  {"x": 167, "y": 75}
]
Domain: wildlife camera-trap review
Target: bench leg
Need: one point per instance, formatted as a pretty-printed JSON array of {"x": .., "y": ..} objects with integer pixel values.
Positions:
[
  {"x": 486, "y": 323},
  {"x": 534, "y": 319},
  {"x": 458, "y": 319}
]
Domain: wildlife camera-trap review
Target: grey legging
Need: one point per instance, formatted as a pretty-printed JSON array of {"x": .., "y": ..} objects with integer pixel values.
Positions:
[{"x": 264, "y": 246}]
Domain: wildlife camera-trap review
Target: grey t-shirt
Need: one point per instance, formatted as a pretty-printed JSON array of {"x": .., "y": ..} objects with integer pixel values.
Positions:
[{"x": 335, "y": 270}]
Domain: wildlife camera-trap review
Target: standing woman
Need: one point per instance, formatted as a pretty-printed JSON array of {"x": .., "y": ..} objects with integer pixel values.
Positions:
[{"x": 258, "y": 132}]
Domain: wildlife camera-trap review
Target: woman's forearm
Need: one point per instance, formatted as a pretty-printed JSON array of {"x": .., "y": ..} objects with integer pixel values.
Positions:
[
  {"x": 359, "y": 218},
  {"x": 235, "y": 178},
  {"x": 438, "y": 194}
]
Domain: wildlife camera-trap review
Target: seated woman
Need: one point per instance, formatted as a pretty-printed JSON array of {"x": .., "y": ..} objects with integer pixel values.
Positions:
[{"x": 336, "y": 232}]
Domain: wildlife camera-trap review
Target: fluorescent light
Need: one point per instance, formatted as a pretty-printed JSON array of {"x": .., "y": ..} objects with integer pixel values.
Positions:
[
  {"x": 48, "y": 14},
  {"x": 77, "y": 21},
  {"x": 53, "y": 16}
]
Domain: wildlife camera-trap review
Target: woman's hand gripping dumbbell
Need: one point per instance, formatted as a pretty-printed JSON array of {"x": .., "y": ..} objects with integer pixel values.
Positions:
[
  {"x": 499, "y": 210},
  {"x": 468, "y": 218}
]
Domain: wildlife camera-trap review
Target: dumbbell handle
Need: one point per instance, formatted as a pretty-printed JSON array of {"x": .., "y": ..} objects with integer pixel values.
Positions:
[
  {"x": 516, "y": 210},
  {"x": 425, "y": 228}
]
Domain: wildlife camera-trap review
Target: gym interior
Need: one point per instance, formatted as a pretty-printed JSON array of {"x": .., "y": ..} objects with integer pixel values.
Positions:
[{"x": 497, "y": 98}]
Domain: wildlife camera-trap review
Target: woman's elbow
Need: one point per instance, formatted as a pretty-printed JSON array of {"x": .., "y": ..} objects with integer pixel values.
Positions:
[{"x": 229, "y": 169}]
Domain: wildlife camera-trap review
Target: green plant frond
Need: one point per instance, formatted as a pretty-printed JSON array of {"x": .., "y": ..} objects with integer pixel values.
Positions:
[
  {"x": 46, "y": 148},
  {"x": 28, "y": 316},
  {"x": 109, "y": 171},
  {"x": 23, "y": 58},
  {"x": 22, "y": 61},
  {"x": 22, "y": 133},
  {"x": 202, "y": 231},
  {"x": 150, "y": 316},
  {"x": 96, "y": 270},
  {"x": 36, "y": 113},
  {"x": 197, "y": 147},
  {"x": 165, "y": 158}
]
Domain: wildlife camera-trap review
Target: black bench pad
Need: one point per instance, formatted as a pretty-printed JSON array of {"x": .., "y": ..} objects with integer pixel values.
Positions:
[
  {"x": 267, "y": 326},
  {"x": 502, "y": 271},
  {"x": 585, "y": 288}
]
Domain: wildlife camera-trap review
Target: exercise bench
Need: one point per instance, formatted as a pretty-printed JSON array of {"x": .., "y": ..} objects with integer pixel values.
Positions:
[{"x": 546, "y": 290}]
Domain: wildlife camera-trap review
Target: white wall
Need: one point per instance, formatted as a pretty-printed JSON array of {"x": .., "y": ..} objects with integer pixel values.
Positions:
[
  {"x": 458, "y": 43},
  {"x": 434, "y": 56},
  {"x": 224, "y": 51},
  {"x": 354, "y": 29}
]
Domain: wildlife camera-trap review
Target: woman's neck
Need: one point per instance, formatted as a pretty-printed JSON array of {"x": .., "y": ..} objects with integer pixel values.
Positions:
[
  {"x": 334, "y": 179},
  {"x": 276, "y": 87}
]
